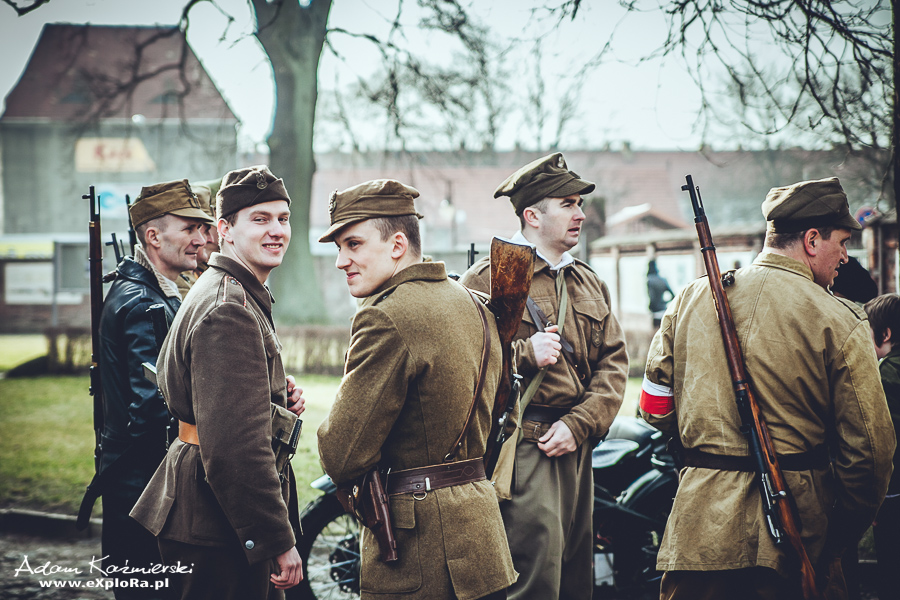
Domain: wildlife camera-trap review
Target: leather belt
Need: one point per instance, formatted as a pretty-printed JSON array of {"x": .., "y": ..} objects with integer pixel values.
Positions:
[
  {"x": 543, "y": 413},
  {"x": 187, "y": 433},
  {"x": 425, "y": 479},
  {"x": 815, "y": 459}
]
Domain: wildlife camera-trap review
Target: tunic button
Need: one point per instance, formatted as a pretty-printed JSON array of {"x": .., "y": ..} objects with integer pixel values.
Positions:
[{"x": 249, "y": 545}]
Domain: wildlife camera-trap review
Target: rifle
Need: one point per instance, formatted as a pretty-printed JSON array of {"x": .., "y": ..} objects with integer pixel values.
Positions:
[
  {"x": 132, "y": 236},
  {"x": 96, "y": 390},
  {"x": 512, "y": 267},
  {"x": 776, "y": 498}
]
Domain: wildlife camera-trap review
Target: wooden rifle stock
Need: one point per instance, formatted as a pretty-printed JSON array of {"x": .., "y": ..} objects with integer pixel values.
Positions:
[
  {"x": 776, "y": 498},
  {"x": 512, "y": 267}
]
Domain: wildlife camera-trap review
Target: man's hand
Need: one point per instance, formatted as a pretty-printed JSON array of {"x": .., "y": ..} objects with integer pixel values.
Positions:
[
  {"x": 296, "y": 403},
  {"x": 290, "y": 569},
  {"x": 546, "y": 346},
  {"x": 557, "y": 441}
]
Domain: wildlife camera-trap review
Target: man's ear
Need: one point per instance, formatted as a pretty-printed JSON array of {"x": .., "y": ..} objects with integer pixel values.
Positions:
[
  {"x": 531, "y": 216},
  {"x": 151, "y": 237},
  {"x": 811, "y": 240},
  {"x": 401, "y": 245},
  {"x": 224, "y": 230},
  {"x": 887, "y": 336}
]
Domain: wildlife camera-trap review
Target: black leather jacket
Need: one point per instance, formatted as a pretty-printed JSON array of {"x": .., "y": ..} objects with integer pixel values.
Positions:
[{"x": 134, "y": 412}]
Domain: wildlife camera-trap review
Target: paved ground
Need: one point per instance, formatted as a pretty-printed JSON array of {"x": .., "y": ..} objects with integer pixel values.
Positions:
[
  {"x": 59, "y": 559},
  {"x": 63, "y": 562}
]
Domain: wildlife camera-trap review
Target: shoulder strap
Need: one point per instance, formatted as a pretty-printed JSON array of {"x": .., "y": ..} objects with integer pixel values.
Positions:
[{"x": 485, "y": 357}]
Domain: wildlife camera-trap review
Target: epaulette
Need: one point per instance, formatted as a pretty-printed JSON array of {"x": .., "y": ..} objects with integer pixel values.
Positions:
[
  {"x": 481, "y": 296},
  {"x": 233, "y": 291},
  {"x": 581, "y": 263},
  {"x": 111, "y": 276}
]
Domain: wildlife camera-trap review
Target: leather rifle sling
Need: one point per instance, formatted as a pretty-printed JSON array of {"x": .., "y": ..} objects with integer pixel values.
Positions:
[{"x": 485, "y": 358}]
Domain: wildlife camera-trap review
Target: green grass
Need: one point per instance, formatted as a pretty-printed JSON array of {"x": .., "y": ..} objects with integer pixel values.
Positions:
[
  {"x": 16, "y": 349},
  {"x": 47, "y": 441}
]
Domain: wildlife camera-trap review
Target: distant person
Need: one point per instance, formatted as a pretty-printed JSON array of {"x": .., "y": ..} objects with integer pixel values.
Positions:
[
  {"x": 884, "y": 318},
  {"x": 854, "y": 282},
  {"x": 657, "y": 288},
  {"x": 187, "y": 278},
  {"x": 168, "y": 223}
]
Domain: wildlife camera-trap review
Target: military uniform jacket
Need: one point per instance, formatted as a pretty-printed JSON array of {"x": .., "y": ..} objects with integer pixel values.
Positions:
[
  {"x": 220, "y": 368},
  {"x": 593, "y": 389},
  {"x": 411, "y": 371},
  {"x": 811, "y": 362},
  {"x": 133, "y": 410}
]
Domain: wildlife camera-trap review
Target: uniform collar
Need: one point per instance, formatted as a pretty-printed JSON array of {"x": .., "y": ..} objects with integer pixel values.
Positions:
[
  {"x": 168, "y": 287},
  {"x": 778, "y": 261},
  {"x": 423, "y": 271},
  {"x": 566, "y": 260},
  {"x": 247, "y": 279}
]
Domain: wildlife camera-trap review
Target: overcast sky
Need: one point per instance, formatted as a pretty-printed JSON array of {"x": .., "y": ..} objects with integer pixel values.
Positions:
[{"x": 651, "y": 106}]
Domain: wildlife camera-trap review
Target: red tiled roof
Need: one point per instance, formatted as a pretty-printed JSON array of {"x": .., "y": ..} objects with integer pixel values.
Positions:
[{"x": 70, "y": 62}]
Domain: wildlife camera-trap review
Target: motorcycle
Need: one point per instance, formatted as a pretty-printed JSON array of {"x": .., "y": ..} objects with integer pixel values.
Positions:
[
  {"x": 634, "y": 483},
  {"x": 635, "y": 480}
]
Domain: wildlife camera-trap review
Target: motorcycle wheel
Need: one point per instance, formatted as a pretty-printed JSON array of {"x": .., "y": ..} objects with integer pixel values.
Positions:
[{"x": 329, "y": 548}]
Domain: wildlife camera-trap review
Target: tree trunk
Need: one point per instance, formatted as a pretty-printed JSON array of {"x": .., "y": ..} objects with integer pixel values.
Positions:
[
  {"x": 292, "y": 36},
  {"x": 895, "y": 144}
]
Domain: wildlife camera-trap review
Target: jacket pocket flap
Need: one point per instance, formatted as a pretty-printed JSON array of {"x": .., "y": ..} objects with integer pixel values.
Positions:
[{"x": 403, "y": 511}]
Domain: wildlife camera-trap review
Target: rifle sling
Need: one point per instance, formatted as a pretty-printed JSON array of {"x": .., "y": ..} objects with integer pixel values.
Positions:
[
  {"x": 485, "y": 358},
  {"x": 811, "y": 460}
]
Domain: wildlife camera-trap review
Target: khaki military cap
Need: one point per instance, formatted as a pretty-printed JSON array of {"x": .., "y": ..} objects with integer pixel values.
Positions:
[
  {"x": 546, "y": 177},
  {"x": 206, "y": 191},
  {"x": 369, "y": 200},
  {"x": 807, "y": 205},
  {"x": 172, "y": 197},
  {"x": 247, "y": 187}
]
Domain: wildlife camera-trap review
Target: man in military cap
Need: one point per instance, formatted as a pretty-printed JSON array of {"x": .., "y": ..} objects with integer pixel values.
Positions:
[
  {"x": 218, "y": 502},
  {"x": 420, "y": 344},
  {"x": 811, "y": 361},
  {"x": 571, "y": 352},
  {"x": 204, "y": 191},
  {"x": 168, "y": 221}
]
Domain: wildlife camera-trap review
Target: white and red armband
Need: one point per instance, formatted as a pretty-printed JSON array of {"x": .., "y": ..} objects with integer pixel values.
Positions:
[{"x": 656, "y": 399}]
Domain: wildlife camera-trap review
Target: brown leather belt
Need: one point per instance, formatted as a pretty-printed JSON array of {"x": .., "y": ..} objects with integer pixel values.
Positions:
[
  {"x": 544, "y": 414},
  {"x": 187, "y": 433},
  {"x": 425, "y": 479},
  {"x": 815, "y": 459}
]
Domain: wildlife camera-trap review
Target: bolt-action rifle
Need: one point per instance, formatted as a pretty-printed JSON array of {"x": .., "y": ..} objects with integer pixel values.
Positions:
[
  {"x": 777, "y": 502},
  {"x": 95, "y": 249},
  {"x": 512, "y": 267}
]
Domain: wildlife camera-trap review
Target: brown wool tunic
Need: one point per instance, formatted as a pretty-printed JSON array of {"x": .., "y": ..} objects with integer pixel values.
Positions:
[
  {"x": 220, "y": 368},
  {"x": 411, "y": 370},
  {"x": 811, "y": 361}
]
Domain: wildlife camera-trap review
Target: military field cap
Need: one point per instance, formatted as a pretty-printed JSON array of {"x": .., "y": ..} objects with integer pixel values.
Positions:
[
  {"x": 370, "y": 200},
  {"x": 247, "y": 187},
  {"x": 171, "y": 197},
  {"x": 206, "y": 191},
  {"x": 806, "y": 205},
  {"x": 546, "y": 177},
  {"x": 204, "y": 194}
]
